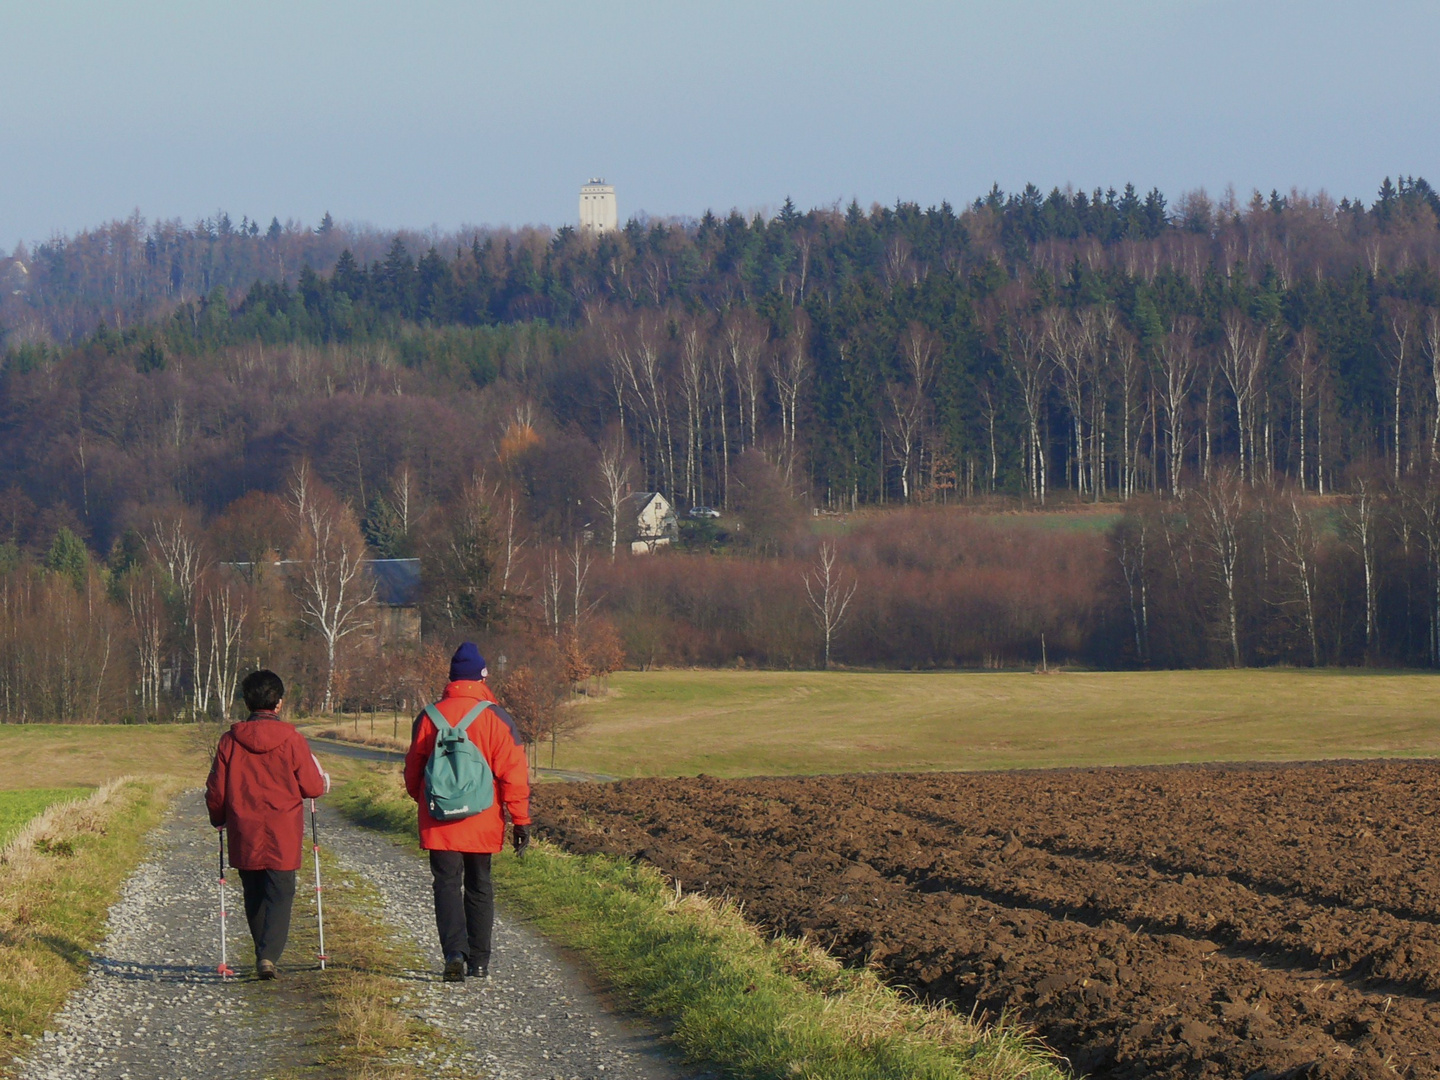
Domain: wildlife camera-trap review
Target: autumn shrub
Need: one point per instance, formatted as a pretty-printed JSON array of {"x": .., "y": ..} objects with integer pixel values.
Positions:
[{"x": 935, "y": 588}]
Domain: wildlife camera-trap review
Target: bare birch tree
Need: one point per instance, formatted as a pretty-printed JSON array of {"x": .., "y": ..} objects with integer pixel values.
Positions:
[
  {"x": 1304, "y": 369},
  {"x": 1130, "y": 375},
  {"x": 174, "y": 545},
  {"x": 1177, "y": 375},
  {"x": 331, "y": 583},
  {"x": 1431, "y": 328},
  {"x": 790, "y": 371},
  {"x": 579, "y": 559},
  {"x": 1066, "y": 343},
  {"x": 1424, "y": 505},
  {"x": 1221, "y": 505},
  {"x": 1242, "y": 356},
  {"x": 910, "y": 401},
  {"x": 830, "y": 595},
  {"x": 1300, "y": 551},
  {"x": 693, "y": 349},
  {"x": 1028, "y": 363},
  {"x": 1401, "y": 335},
  {"x": 614, "y": 486},
  {"x": 551, "y": 590},
  {"x": 147, "y": 617},
  {"x": 403, "y": 491},
  {"x": 223, "y": 623},
  {"x": 1131, "y": 550},
  {"x": 1360, "y": 519},
  {"x": 744, "y": 338}
]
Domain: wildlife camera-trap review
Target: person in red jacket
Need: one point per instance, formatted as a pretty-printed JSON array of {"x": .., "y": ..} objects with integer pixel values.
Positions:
[
  {"x": 460, "y": 850},
  {"x": 262, "y": 775}
]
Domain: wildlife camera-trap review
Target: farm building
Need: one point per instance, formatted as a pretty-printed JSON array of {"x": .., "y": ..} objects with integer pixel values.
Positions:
[
  {"x": 655, "y": 522},
  {"x": 397, "y": 599},
  {"x": 396, "y": 618}
]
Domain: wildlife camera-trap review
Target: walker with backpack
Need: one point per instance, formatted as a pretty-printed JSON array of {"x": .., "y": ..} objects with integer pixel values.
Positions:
[{"x": 458, "y": 780}]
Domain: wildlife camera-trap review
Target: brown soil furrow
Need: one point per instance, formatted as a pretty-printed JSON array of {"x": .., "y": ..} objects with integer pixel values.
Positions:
[
  {"x": 1372, "y": 945},
  {"x": 1023, "y": 893},
  {"x": 1377, "y": 833},
  {"x": 1111, "y": 850},
  {"x": 1004, "y": 958}
]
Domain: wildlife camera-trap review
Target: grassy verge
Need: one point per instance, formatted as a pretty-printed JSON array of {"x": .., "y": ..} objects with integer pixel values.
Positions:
[
  {"x": 364, "y": 1031},
  {"x": 20, "y": 806},
  {"x": 755, "y": 1006},
  {"x": 58, "y": 877}
]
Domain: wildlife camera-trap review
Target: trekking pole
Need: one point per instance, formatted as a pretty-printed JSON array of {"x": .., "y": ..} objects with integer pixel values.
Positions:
[
  {"x": 224, "y": 969},
  {"x": 319, "y": 903}
]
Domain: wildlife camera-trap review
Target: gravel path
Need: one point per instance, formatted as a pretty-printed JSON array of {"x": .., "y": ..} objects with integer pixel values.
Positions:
[
  {"x": 154, "y": 1005},
  {"x": 535, "y": 1018}
]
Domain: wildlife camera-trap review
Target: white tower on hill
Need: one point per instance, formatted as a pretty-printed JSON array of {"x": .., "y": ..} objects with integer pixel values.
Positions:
[{"x": 597, "y": 208}]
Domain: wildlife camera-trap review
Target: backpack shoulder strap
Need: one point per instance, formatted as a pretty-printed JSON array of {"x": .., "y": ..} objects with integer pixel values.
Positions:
[
  {"x": 470, "y": 717},
  {"x": 438, "y": 719}
]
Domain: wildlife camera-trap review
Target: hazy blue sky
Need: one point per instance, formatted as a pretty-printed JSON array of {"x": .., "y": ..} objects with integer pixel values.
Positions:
[{"x": 467, "y": 112}]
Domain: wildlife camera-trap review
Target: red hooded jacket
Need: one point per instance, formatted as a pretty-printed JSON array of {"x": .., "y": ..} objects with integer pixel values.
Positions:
[
  {"x": 262, "y": 775},
  {"x": 494, "y": 734}
]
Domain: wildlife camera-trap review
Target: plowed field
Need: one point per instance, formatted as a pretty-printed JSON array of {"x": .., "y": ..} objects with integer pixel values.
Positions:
[{"x": 1181, "y": 922}]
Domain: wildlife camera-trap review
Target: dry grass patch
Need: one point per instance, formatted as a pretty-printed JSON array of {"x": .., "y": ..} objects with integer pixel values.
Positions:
[
  {"x": 366, "y": 1033},
  {"x": 20, "y": 806}
]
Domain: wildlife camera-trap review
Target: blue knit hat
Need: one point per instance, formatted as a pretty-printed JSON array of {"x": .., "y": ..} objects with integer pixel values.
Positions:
[{"x": 467, "y": 663}]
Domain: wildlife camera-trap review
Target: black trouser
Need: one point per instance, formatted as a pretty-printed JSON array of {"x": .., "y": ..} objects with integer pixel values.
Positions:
[
  {"x": 465, "y": 918},
  {"x": 269, "y": 896}
]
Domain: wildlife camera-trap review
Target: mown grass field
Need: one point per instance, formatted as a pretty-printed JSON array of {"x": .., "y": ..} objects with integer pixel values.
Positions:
[
  {"x": 88, "y": 755},
  {"x": 736, "y": 723}
]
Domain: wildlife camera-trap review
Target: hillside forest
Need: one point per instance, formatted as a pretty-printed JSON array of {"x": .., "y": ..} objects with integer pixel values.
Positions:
[{"x": 1098, "y": 427}]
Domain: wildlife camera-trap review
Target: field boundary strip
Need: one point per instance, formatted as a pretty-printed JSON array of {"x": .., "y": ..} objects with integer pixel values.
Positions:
[
  {"x": 59, "y": 876},
  {"x": 730, "y": 994}
]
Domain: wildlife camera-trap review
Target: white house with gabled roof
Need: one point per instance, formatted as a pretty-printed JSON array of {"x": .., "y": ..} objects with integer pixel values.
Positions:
[{"x": 656, "y": 525}]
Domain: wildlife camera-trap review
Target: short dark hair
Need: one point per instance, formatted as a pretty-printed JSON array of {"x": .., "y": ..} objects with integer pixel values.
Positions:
[{"x": 262, "y": 690}]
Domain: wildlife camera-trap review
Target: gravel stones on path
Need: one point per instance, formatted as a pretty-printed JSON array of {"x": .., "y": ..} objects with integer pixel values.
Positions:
[
  {"x": 154, "y": 1005},
  {"x": 534, "y": 1018}
]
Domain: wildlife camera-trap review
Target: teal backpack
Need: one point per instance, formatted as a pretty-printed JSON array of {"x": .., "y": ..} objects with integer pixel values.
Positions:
[{"x": 458, "y": 780}]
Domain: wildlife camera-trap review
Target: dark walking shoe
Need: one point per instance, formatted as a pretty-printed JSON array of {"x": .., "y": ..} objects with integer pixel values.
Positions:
[
  {"x": 265, "y": 969},
  {"x": 455, "y": 967},
  {"x": 477, "y": 971}
]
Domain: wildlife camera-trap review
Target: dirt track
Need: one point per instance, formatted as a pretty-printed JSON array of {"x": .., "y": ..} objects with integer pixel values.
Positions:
[{"x": 1181, "y": 922}]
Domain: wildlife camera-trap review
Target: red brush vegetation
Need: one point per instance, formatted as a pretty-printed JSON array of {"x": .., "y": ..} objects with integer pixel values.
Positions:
[{"x": 935, "y": 588}]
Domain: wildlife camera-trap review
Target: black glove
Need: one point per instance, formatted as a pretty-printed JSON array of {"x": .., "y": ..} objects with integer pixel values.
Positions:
[{"x": 522, "y": 839}]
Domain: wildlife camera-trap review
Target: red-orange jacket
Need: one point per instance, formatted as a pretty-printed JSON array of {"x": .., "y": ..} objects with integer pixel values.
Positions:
[
  {"x": 263, "y": 772},
  {"x": 493, "y": 732}
]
